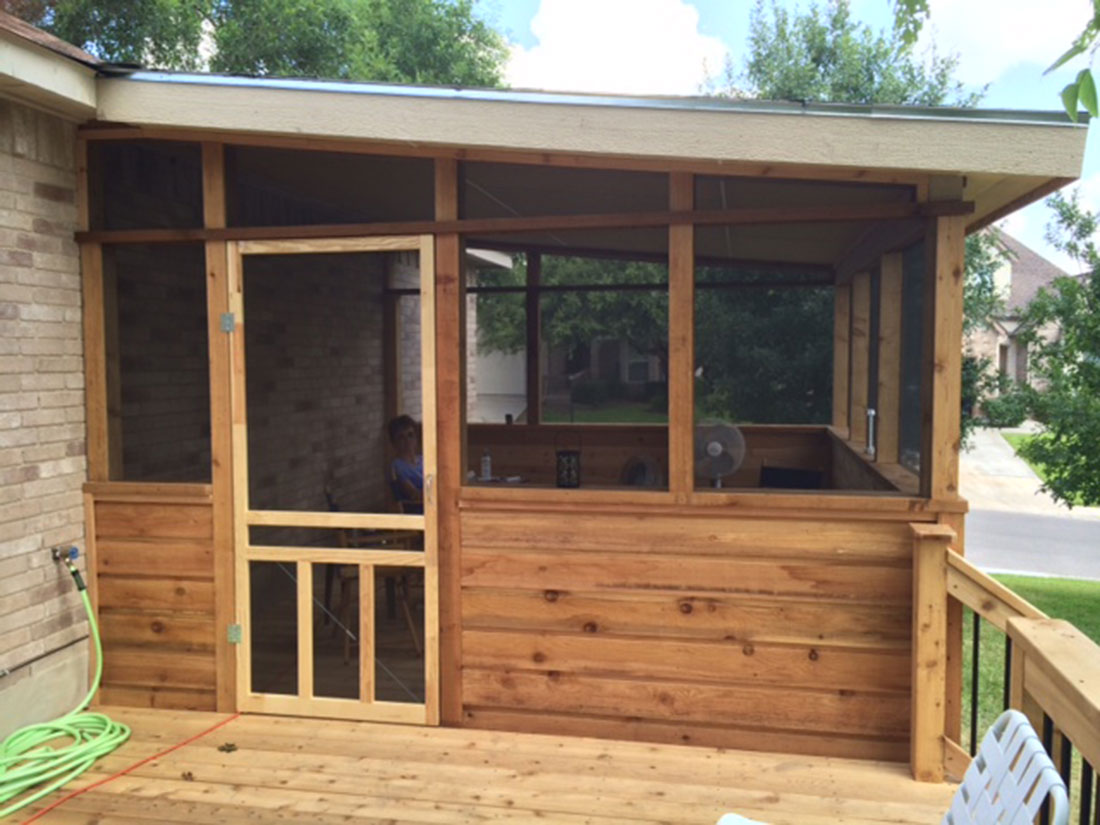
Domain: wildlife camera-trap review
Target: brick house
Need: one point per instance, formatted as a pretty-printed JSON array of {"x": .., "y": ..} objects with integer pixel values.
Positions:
[
  {"x": 43, "y": 653},
  {"x": 1018, "y": 280}
]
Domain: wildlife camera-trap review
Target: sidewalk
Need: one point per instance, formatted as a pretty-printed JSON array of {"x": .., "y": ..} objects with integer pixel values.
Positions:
[{"x": 992, "y": 477}]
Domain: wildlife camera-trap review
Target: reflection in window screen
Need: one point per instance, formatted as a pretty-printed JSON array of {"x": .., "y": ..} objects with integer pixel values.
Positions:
[{"x": 912, "y": 343}]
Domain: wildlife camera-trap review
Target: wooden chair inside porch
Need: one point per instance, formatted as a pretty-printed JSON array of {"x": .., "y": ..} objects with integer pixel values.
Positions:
[{"x": 396, "y": 579}]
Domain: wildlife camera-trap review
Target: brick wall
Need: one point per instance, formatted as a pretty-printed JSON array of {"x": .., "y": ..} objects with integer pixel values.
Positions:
[
  {"x": 164, "y": 372},
  {"x": 42, "y": 453},
  {"x": 316, "y": 414},
  {"x": 404, "y": 273}
]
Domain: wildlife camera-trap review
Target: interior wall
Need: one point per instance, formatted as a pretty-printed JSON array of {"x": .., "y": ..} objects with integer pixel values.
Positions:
[
  {"x": 315, "y": 381},
  {"x": 404, "y": 273}
]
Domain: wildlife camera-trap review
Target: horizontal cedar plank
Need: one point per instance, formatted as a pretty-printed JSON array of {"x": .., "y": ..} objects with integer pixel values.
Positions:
[
  {"x": 582, "y": 571},
  {"x": 687, "y": 733},
  {"x": 529, "y": 795},
  {"x": 145, "y": 667},
  {"x": 742, "y": 216},
  {"x": 128, "y": 520},
  {"x": 188, "y": 631},
  {"x": 820, "y": 504},
  {"x": 146, "y": 491},
  {"x": 748, "y": 662},
  {"x": 838, "y": 711},
  {"x": 689, "y": 616},
  {"x": 192, "y": 559},
  {"x": 157, "y": 697},
  {"x": 712, "y": 535},
  {"x": 156, "y": 594}
]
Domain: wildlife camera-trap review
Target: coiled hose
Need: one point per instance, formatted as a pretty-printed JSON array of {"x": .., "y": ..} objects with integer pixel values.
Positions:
[{"x": 27, "y": 759}]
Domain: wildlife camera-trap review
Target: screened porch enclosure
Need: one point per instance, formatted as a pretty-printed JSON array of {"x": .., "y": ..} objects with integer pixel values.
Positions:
[{"x": 528, "y": 318}]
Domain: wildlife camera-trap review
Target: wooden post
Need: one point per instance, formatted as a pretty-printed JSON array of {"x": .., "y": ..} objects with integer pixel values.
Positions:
[
  {"x": 861, "y": 342},
  {"x": 1018, "y": 697},
  {"x": 91, "y": 572},
  {"x": 842, "y": 314},
  {"x": 534, "y": 336},
  {"x": 944, "y": 250},
  {"x": 887, "y": 418},
  {"x": 450, "y": 292},
  {"x": 956, "y": 628},
  {"x": 113, "y": 366},
  {"x": 681, "y": 340},
  {"x": 429, "y": 373},
  {"x": 221, "y": 416},
  {"x": 95, "y": 362},
  {"x": 95, "y": 356},
  {"x": 928, "y": 714}
]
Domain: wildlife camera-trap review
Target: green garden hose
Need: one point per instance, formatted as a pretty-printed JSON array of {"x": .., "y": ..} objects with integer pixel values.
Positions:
[{"x": 28, "y": 760}]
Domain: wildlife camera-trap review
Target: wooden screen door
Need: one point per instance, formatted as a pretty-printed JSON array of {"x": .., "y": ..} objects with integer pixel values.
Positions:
[{"x": 336, "y": 567}]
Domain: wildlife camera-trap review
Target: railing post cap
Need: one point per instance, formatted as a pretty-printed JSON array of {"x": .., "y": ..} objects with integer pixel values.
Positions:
[{"x": 932, "y": 532}]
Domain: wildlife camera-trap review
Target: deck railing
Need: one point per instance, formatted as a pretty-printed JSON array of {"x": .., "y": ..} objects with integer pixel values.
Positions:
[{"x": 1052, "y": 670}]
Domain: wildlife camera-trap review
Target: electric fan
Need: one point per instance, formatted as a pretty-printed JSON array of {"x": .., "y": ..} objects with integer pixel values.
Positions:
[{"x": 719, "y": 450}]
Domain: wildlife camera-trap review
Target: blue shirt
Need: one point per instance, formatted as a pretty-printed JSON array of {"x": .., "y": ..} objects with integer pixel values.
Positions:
[{"x": 412, "y": 472}]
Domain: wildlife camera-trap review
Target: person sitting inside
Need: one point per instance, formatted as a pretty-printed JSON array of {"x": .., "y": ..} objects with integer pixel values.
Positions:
[{"x": 407, "y": 467}]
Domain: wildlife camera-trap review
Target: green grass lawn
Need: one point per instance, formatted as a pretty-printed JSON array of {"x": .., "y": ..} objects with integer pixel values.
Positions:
[
  {"x": 612, "y": 412},
  {"x": 1075, "y": 601},
  {"x": 1016, "y": 440}
]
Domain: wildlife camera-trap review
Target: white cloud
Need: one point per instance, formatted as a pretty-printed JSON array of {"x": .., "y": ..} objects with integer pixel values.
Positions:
[
  {"x": 621, "y": 46},
  {"x": 992, "y": 36}
]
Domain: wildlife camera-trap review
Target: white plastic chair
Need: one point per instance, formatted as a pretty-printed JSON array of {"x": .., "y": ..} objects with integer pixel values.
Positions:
[
  {"x": 1009, "y": 779},
  {"x": 1005, "y": 784}
]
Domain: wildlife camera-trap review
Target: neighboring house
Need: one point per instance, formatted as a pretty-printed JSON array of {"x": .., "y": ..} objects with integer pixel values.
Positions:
[
  {"x": 496, "y": 382},
  {"x": 1023, "y": 273}
]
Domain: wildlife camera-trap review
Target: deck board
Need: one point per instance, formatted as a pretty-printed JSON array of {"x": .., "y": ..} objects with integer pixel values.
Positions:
[{"x": 319, "y": 771}]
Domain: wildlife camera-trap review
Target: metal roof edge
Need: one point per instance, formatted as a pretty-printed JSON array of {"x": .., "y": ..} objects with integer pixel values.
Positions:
[{"x": 698, "y": 104}]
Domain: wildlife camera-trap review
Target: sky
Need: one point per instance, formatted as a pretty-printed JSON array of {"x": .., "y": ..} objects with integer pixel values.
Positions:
[{"x": 669, "y": 47}]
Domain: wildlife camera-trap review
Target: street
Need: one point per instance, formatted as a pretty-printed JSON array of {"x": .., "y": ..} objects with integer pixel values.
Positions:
[{"x": 1005, "y": 541}]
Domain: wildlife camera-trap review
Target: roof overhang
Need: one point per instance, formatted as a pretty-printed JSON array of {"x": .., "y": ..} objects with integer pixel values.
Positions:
[
  {"x": 1006, "y": 158},
  {"x": 46, "y": 79}
]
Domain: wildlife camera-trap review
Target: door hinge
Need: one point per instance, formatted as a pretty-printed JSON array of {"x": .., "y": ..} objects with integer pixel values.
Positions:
[
  {"x": 229, "y": 322},
  {"x": 233, "y": 634}
]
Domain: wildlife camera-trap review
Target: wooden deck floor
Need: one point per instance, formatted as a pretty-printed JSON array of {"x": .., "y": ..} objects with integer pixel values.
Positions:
[{"x": 286, "y": 770}]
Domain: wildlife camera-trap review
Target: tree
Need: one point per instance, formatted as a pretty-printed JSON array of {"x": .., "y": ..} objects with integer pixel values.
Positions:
[
  {"x": 164, "y": 33},
  {"x": 1067, "y": 365},
  {"x": 406, "y": 41},
  {"x": 573, "y": 320},
  {"x": 910, "y": 16},
  {"x": 295, "y": 38},
  {"x": 1083, "y": 89},
  {"x": 981, "y": 384},
  {"x": 822, "y": 54},
  {"x": 410, "y": 41}
]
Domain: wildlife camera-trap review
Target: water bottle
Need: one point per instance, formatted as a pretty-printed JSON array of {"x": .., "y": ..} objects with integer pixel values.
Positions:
[{"x": 486, "y": 466}]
